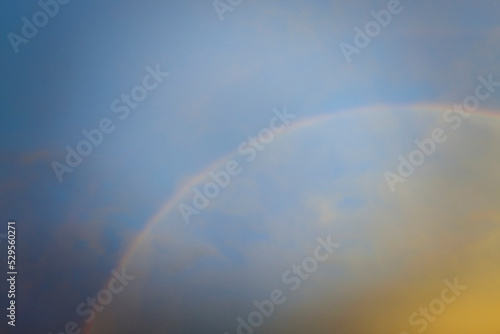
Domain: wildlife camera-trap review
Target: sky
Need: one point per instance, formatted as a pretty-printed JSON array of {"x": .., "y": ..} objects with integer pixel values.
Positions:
[{"x": 161, "y": 96}]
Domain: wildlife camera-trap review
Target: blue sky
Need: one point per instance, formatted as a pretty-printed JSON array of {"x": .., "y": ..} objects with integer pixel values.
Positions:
[{"x": 225, "y": 78}]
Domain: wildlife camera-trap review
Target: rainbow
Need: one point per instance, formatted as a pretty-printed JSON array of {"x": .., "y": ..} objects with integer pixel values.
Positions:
[{"x": 184, "y": 190}]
